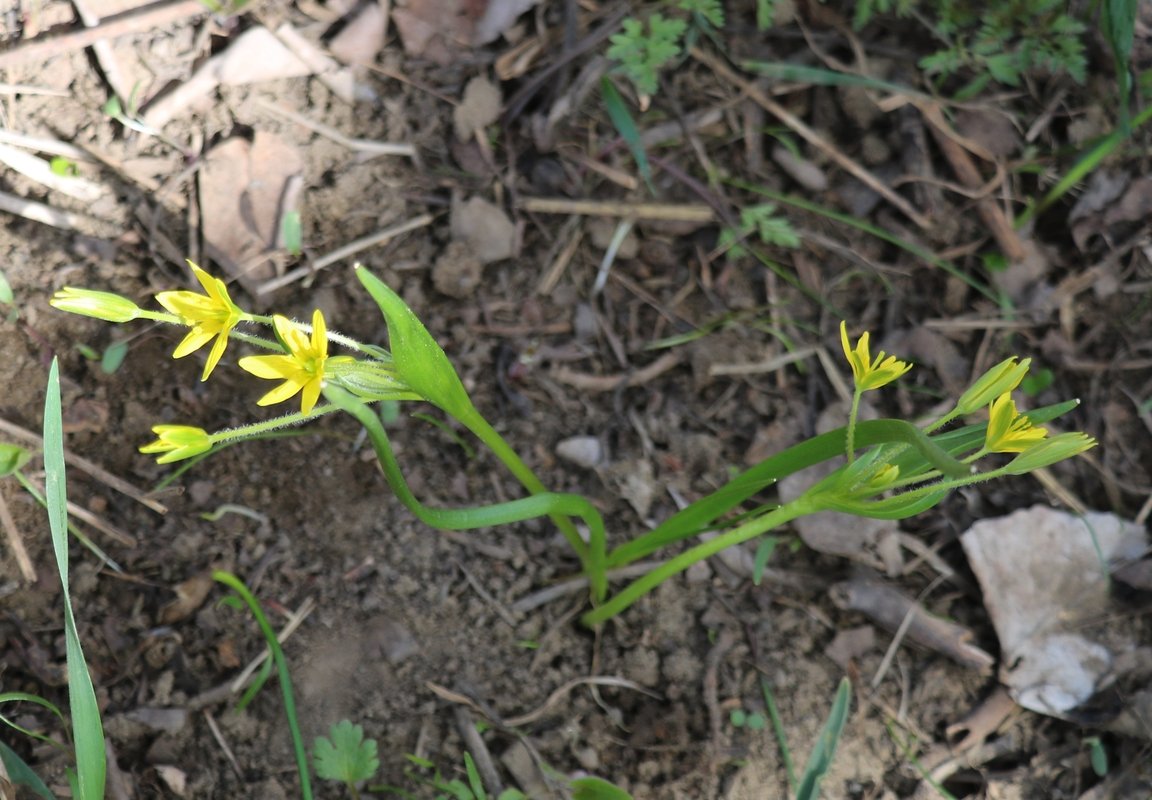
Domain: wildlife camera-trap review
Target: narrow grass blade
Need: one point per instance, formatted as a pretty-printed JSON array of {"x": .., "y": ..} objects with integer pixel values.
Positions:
[
  {"x": 236, "y": 585},
  {"x": 22, "y": 775},
  {"x": 818, "y": 76},
  {"x": 825, "y": 750},
  {"x": 919, "y": 252},
  {"x": 778, "y": 730},
  {"x": 86, "y": 726},
  {"x": 626, "y": 127},
  {"x": 1082, "y": 168},
  {"x": 1118, "y": 20}
]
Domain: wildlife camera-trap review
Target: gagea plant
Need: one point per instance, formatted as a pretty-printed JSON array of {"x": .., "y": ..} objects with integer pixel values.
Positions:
[{"x": 892, "y": 468}]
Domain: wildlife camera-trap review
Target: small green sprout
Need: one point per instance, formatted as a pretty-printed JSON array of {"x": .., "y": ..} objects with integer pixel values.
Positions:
[
  {"x": 345, "y": 755},
  {"x": 763, "y": 221},
  {"x": 742, "y": 719},
  {"x": 644, "y": 50}
]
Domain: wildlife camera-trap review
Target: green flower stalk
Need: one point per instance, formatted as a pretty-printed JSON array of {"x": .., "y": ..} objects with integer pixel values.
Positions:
[{"x": 867, "y": 373}]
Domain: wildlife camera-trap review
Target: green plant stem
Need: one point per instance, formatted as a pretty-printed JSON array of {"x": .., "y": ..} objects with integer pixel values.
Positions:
[
  {"x": 850, "y": 433},
  {"x": 677, "y": 564},
  {"x": 500, "y": 448},
  {"x": 542, "y": 503},
  {"x": 236, "y": 585},
  {"x": 258, "y": 429}
]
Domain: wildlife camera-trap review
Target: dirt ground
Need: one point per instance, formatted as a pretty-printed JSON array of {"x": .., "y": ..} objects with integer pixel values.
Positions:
[{"x": 400, "y": 624}]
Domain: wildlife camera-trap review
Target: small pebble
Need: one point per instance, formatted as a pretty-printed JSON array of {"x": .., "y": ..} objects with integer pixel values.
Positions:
[{"x": 583, "y": 451}]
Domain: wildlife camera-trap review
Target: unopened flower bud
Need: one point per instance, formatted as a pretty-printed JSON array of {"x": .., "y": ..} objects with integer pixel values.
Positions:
[{"x": 101, "y": 305}]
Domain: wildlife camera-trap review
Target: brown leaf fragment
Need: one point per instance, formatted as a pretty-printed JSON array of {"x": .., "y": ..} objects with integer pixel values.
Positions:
[
  {"x": 485, "y": 228},
  {"x": 498, "y": 17},
  {"x": 362, "y": 38},
  {"x": 190, "y": 595},
  {"x": 434, "y": 29},
  {"x": 891, "y": 609},
  {"x": 478, "y": 109},
  {"x": 848, "y": 645},
  {"x": 245, "y": 191}
]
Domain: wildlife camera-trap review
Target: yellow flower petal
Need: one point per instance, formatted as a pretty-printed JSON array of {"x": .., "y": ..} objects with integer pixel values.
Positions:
[
  {"x": 177, "y": 442},
  {"x": 869, "y": 373},
  {"x": 1008, "y": 430},
  {"x": 212, "y": 314},
  {"x": 302, "y": 369}
]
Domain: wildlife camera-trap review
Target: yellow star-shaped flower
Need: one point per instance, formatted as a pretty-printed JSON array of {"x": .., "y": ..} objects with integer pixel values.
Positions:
[
  {"x": 1008, "y": 430},
  {"x": 301, "y": 370},
  {"x": 870, "y": 373},
  {"x": 210, "y": 314},
  {"x": 177, "y": 442}
]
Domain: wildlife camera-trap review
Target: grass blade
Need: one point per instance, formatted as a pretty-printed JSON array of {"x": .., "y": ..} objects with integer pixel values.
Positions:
[
  {"x": 914, "y": 249},
  {"x": 626, "y": 127},
  {"x": 86, "y": 727},
  {"x": 22, "y": 775},
  {"x": 236, "y": 585},
  {"x": 825, "y": 750}
]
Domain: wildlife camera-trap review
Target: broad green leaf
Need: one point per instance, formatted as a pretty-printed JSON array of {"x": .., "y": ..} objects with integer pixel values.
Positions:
[{"x": 345, "y": 755}]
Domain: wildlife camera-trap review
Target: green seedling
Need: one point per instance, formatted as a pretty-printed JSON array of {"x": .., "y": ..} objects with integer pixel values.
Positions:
[
  {"x": 291, "y": 233},
  {"x": 345, "y": 756},
  {"x": 1000, "y": 43},
  {"x": 1097, "y": 755},
  {"x": 64, "y": 167},
  {"x": 762, "y": 221},
  {"x": 644, "y": 49},
  {"x": 742, "y": 719}
]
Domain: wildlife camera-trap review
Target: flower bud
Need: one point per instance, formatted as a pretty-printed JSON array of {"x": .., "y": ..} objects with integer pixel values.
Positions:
[
  {"x": 101, "y": 305},
  {"x": 1049, "y": 451},
  {"x": 1001, "y": 379},
  {"x": 368, "y": 380},
  {"x": 177, "y": 442}
]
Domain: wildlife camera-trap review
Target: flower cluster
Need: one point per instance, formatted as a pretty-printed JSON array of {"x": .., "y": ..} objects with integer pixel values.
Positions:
[
  {"x": 1007, "y": 431},
  {"x": 299, "y": 359}
]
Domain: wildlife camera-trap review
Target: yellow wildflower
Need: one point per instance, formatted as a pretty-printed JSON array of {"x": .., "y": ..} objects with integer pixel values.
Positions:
[
  {"x": 1008, "y": 430},
  {"x": 870, "y": 373},
  {"x": 212, "y": 314},
  {"x": 301, "y": 370},
  {"x": 90, "y": 303},
  {"x": 177, "y": 442}
]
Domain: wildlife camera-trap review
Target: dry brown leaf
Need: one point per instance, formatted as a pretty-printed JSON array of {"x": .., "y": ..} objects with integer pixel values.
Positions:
[
  {"x": 1044, "y": 575},
  {"x": 190, "y": 595},
  {"x": 362, "y": 38},
  {"x": 433, "y": 29},
  {"x": 245, "y": 190},
  {"x": 478, "y": 109},
  {"x": 499, "y": 16},
  {"x": 485, "y": 228}
]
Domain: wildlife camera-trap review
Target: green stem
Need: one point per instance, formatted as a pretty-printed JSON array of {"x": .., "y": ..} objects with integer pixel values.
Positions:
[
  {"x": 541, "y": 503},
  {"x": 258, "y": 428},
  {"x": 677, "y": 564},
  {"x": 850, "y": 435},
  {"x": 597, "y": 546},
  {"x": 234, "y": 583}
]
